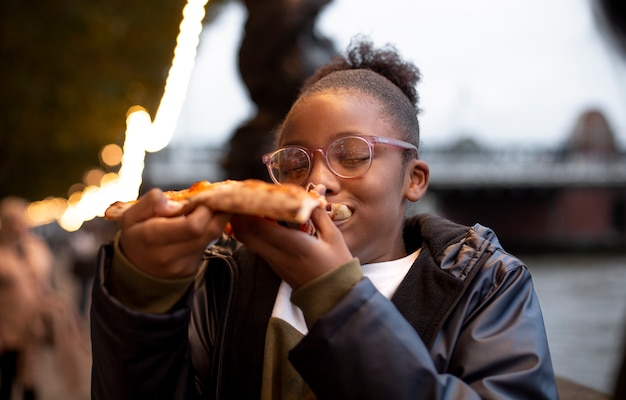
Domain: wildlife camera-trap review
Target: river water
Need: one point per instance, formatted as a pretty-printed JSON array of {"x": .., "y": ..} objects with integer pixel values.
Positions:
[{"x": 583, "y": 298}]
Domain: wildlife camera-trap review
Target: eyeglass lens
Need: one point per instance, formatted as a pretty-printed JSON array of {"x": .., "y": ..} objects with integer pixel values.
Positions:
[{"x": 346, "y": 157}]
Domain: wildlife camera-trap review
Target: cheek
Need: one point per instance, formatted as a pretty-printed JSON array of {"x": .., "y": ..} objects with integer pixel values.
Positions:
[
  {"x": 385, "y": 197},
  {"x": 383, "y": 189},
  {"x": 375, "y": 230},
  {"x": 379, "y": 204}
]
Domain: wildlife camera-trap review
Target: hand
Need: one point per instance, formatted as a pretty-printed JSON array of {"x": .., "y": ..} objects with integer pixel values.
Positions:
[
  {"x": 161, "y": 243},
  {"x": 297, "y": 257}
]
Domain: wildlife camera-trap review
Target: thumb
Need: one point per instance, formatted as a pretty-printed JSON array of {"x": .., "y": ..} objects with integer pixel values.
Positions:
[
  {"x": 153, "y": 204},
  {"x": 324, "y": 225}
]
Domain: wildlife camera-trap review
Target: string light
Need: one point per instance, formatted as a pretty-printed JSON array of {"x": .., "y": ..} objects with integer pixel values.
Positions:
[{"x": 141, "y": 135}]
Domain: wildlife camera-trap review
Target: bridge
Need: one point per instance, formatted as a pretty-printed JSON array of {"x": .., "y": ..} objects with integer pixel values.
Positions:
[
  {"x": 512, "y": 168},
  {"x": 535, "y": 199}
]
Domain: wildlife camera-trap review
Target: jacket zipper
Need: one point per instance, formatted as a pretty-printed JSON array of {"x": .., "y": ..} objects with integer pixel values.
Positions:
[{"x": 222, "y": 332}]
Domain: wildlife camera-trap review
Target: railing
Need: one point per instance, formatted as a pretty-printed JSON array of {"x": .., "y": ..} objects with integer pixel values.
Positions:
[
  {"x": 181, "y": 164},
  {"x": 523, "y": 169}
]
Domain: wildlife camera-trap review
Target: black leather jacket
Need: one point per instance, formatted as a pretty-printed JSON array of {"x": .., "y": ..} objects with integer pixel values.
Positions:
[{"x": 464, "y": 323}]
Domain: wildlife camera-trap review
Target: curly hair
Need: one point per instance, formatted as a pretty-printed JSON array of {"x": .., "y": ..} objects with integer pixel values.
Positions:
[
  {"x": 386, "y": 61},
  {"x": 379, "y": 73}
]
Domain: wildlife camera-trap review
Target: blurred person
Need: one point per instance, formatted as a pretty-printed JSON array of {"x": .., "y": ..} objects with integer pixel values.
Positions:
[
  {"x": 32, "y": 314},
  {"x": 376, "y": 305},
  {"x": 84, "y": 245},
  {"x": 25, "y": 273}
]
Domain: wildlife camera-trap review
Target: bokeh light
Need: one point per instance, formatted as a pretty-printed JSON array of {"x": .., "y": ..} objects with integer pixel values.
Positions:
[
  {"x": 93, "y": 176},
  {"x": 89, "y": 199},
  {"x": 111, "y": 155}
]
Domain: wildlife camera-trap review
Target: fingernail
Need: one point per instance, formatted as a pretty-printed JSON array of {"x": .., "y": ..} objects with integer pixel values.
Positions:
[{"x": 174, "y": 205}]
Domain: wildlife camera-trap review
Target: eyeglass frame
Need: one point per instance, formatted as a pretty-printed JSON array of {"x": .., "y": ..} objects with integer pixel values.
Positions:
[{"x": 370, "y": 140}]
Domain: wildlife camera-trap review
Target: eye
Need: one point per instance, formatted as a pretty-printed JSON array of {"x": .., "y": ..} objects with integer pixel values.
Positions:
[
  {"x": 351, "y": 159},
  {"x": 349, "y": 154},
  {"x": 291, "y": 165},
  {"x": 293, "y": 172}
]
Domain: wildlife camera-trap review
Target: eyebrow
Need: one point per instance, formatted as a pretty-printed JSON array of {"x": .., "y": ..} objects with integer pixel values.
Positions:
[{"x": 332, "y": 138}]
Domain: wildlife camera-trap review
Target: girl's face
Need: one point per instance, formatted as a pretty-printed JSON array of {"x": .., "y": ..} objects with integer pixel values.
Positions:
[{"x": 377, "y": 199}]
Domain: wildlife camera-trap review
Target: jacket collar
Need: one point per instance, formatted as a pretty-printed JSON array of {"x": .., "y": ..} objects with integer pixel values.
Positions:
[{"x": 429, "y": 292}]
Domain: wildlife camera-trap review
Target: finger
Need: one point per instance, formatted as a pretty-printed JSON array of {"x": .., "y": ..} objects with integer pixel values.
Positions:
[
  {"x": 199, "y": 225},
  {"x": 264, "y": 236},
  {"x": 172, "y": 245},
  {"x": 246, "y": 227},
  {"x": 324, "y": 225},
  {"x": 260, "y": 234},
  {"x": 319, "y": 189},
  {"x": 154, "y": 203}
]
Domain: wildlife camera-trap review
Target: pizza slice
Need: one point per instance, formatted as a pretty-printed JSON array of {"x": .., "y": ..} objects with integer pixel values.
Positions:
[{"x": 289, "y": 203}]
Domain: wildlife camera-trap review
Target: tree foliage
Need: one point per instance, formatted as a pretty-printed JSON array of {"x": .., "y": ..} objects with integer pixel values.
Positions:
[{"x": 70, "y": 70}]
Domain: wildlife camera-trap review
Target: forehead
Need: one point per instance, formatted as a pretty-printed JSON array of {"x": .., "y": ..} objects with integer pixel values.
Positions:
[{"x": 317, "y": 118}]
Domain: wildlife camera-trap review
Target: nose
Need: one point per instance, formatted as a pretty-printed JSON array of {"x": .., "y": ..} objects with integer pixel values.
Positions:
[{"x": 321, "y": 174}]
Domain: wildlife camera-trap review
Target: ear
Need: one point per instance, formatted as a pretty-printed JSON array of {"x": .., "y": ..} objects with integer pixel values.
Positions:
[{"x": 416, "y": 180}]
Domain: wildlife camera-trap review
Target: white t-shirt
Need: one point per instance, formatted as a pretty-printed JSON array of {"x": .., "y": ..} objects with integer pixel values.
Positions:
[{"x": 386, "y": 277}]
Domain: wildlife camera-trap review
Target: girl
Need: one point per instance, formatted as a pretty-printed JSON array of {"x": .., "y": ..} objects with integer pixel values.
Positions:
[{"x": 376, "y": 305}]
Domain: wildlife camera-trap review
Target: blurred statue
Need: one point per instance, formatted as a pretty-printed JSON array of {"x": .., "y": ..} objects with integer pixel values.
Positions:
[
  {"x": 280, "y": 49},
  {"x": 611, "y": 18}
]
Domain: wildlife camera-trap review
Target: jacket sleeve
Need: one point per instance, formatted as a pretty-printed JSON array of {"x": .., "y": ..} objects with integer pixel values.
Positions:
[
  {"x": 497, "y": 348},
  {"x": 137, "y": 355}
]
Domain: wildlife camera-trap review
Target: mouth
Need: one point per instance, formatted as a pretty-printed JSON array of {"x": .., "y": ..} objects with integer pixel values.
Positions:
[{"x": 338, "y": 212}]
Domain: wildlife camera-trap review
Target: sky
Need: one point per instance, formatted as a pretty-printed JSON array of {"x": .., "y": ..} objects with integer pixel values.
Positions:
[{"x": 504, "y": 72}]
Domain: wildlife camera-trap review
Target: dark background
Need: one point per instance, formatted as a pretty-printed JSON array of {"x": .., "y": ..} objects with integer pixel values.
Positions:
[{"x": 70, "y": 70}]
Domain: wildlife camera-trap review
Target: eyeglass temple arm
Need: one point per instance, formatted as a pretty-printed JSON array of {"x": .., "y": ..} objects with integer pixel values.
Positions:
[{"x": 394, "y": 142}]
